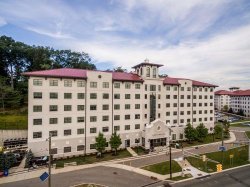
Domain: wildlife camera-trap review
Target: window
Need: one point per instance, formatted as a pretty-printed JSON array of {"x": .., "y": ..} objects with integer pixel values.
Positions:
[
  {"x": 168, "y": 88},
  {"x": 194, "y": 120},
  {"x": 116, "y": 96},
  {"x": 80, "y": 131},
  {"x": 175, "y": 88},
  {"x": 137, "y": 106},
  {"x": 148, "y": 72},
  {"x": 127, "y": 96},
  {"x": 80, "y": 95},
  {"x": 67, "y": 95},
  {"x": 116, "y": 85},
  {"x": 53, "y": 82},
  {"x": 167, "y": 105},
  {"x": 80, "y": 107},
  {"x": 182, "y": 88},
  {"x": 154, "y": 72},
  {"x": 105, "y": 129},
  {"x": 53, "y": 95},
  {"x": 175, "y": 113},
  {"x": 37, "y": 95},
  {"x": 116, "y": 128},
  {"x": 146, "y": 87},
  {"x": 152, "y": 87},
  {"x": 194, "y": 112},
  {"x": 182, "y": 104},
  {"x": 188, "y": 104},
  {"x": 37, "y": 135},
  {"x": 105, "y": 118},
  {"x": 105, "y": 96},
  {"x": 53, "y": 133},
  {"x": 211, "y": 118},
  {"x": 194, "y": 104},
  {"x": 182, "y": 96},
  {"x": 67, "y": 149},
  {"x": 93, "y": 118},
  {"x": 93, "y": 84},
  {"x": 67, "y": 107},
  {"x": 105, "y": 85},
  {"x": 173, "y": 136},
  {"x": 92, "y": 107},
  {"x": 159, "y": 96},
  {"x": 167, "y": 113},
  {"x": 37, "y": 121},
  {"x": 211, "y": 97},
  {"x": 137, "y": 96},
  {"x": 67, "y": 132},
  {"x": 200, "y": 104},
  {"x": 53, "y": 120},
  {"x": 200, "y": 111},
  {"x": 175, "y": 97},
  {"x": 146, "y": 96},
  {"x": 93, "y": 95},
  {"x": 37, "y": 108},
  {"x": 137, "y": 116},
  {"x": 188, "y": 88},
  {"x": 127, "y": 85},
  {"x": 200, "y": 119},
  {"x": 105, "y": 107},
  {"x": 80, "y": 148},
  {"x": 127, "y": 117},
  {"x": 159, "y": 105},
  {"x": 67, "y": 83},
  {"x": 181, "y": 136},
  {"x": 175, "y": 104},
  {"x": 53, "y": 151},
  {"x": 92, "y": 146},
  {"x": 127, "y": 127},
  {"x": 67, "y": 119},
  {"x": 200, "y": 89},
  {"x": 167, "y": 96},
  {"x": 159, "y": 87},
  {"x": 137, "y": 86},
  {"x": 80, "y": 83},
  {"x": 194, "y": 96},
  {"x": 188, "y": 96},
  {"x": 145, "y": 106},
  {"x": 182, "y": 112},
  {"x": 188, "y": 112},
  {"x": 93, "y": 130},
  {"x": 37, "y": 82},
  {"x": 80, "y": 119},
  {"x": 53, "y": 108},
  {"x": 137, "y": 126},
  {"x": 116, "y": 107},
  {"x": 116, "y": 117},
  {"x": 182, "y": 120},
  {"x": 127, "y": 106}
]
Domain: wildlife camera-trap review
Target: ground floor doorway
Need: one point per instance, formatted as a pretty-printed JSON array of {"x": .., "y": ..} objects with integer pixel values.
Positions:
[
  {"x": 158, "y": 142},
  {"x": 127, "y": 143}
]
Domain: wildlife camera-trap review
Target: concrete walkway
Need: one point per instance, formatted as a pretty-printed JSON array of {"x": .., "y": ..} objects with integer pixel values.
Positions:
[{"x": 131, "y": 151}]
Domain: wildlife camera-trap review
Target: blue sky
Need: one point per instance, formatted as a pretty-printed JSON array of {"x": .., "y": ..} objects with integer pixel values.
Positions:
[{"x": 197, "y": 39}]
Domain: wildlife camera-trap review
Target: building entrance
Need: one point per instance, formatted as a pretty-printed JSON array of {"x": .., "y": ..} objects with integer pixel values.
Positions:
[
  {"x": 158, "y": 142},
  {"x": 127, "y": 143}
]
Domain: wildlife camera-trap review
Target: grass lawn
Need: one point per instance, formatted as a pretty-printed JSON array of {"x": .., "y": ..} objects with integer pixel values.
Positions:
[
  {"x": 248, "y": 134},
  {"x": 89, "y": 159},
  {"x": 139, "y": 150},
  {"x": 239, "y": 123},
  {"x": 207, "y": 140},
  {"x": 163, "y": 167},
  {"x": 240, "y": 158},
  {"x": 13, "y": 121},
  {"x": 178, "y": 178}
]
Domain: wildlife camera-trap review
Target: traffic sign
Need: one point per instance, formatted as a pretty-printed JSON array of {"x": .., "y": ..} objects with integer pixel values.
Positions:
[
  {"x": 44, "y": 176},
  {"x": 222, "y": 148}
]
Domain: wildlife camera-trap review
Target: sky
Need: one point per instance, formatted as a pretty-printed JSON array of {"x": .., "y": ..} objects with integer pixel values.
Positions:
[{"x": 203, "y": 40}]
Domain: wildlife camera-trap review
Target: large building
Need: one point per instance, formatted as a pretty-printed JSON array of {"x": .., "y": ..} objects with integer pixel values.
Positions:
[
  {"x": 74, "y": 105},
  {"x": 236, "y": 100}
]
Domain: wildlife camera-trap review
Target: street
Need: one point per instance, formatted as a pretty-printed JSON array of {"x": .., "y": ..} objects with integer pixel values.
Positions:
[{"x": 233, "y": 178}]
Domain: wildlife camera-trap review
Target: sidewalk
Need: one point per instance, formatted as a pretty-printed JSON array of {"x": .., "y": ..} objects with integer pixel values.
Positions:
[{"x": 131, "y": 151}]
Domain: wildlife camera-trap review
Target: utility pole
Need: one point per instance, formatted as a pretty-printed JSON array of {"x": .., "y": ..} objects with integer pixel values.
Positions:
[
  {"x": 49, "y": 181},
  {"x": 170, "y": 159},
  {"x": 222, "y": 142},
  {"x": 183, "y": 161}
]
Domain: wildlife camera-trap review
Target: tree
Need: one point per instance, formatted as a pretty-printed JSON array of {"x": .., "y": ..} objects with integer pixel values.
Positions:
[
  {"x": 115, "y": 142},
  {"x": 7, "y": 160},
  {"x": 29, "y": 157},
  {"x": 225, "y": 108},
  {"x": 202, "y": 132},
  {"x": 120, "y": 69},
  {"x": 241, "y": 112},
  {"x": 100, "y": 143},
  {"x": 190, "y": 132},
  {"x": 218, "y": 130},
  {"x": 230, "y": 110},
  {"x": 226, "y": 126}
]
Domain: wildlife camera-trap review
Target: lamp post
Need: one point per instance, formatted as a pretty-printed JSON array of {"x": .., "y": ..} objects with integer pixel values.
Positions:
[{"x": 170, "y": 153}]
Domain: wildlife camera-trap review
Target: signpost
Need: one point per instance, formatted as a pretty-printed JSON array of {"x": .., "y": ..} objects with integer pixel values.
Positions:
[
  {"x": 231, "y": 159},
  {"x": 222, "y": 148}
]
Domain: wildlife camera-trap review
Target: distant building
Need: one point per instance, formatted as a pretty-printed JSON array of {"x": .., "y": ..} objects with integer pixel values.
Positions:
[
  {"x": 74, "y": 105},
  {"x": 236, "y": 100}
]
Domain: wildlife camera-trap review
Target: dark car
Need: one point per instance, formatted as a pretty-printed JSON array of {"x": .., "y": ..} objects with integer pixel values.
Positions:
[{"x": 40, "y": 161}]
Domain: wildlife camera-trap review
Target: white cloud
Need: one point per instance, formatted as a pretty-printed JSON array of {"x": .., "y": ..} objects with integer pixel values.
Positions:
[{"x": 2, "y": 22}]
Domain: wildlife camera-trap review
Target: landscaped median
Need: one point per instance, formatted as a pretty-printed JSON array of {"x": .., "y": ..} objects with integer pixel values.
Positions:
[
  {"x": 89, "y": 159},
  {"x": 231, "y": 158},
  {"x": 248, "y": 134}
]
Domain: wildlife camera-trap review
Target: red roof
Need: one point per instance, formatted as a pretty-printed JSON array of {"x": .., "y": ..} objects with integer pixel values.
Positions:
[
  {"x": 174, "y": 81},
  {"x": 235, "y": 93},
  {"x": 223, "y": 92},
  {"x": 63, "y": 72},
  {"x": 120, "y": 76}
]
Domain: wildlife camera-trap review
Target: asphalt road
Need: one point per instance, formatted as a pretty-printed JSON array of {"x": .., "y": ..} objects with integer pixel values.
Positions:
[
  {"x": 112, "y": 177},
  {"x": 233, "y": 178}
]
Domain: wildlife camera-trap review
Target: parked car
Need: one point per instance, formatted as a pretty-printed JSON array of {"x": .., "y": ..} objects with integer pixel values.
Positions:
[
  {"x": 40, "y": 161},
  {"x": 246, "y": 124}
]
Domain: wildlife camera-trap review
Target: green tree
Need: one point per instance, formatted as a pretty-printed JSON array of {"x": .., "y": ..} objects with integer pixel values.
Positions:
[
  {"x": 7, "y": 160},
  {"x": 115, "y": 142},
  {"x": 225, "y": 108},
  {"x": 226, "y": 126},
  {"x": 230, "y": 110},
  {"x": 202, "y": 132},
  {"x": 218, "y": 130},
  {"x": 120, "y": 69},
  {"x": 190, "y": 132},
  {"x": 29, "y": 157},
  {"x": 100, "y": 143}
]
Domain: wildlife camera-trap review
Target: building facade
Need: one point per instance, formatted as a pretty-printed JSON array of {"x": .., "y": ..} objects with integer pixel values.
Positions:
[
  {"x": 74, "y": 105},
  {"x": 236, "y": 100}
]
